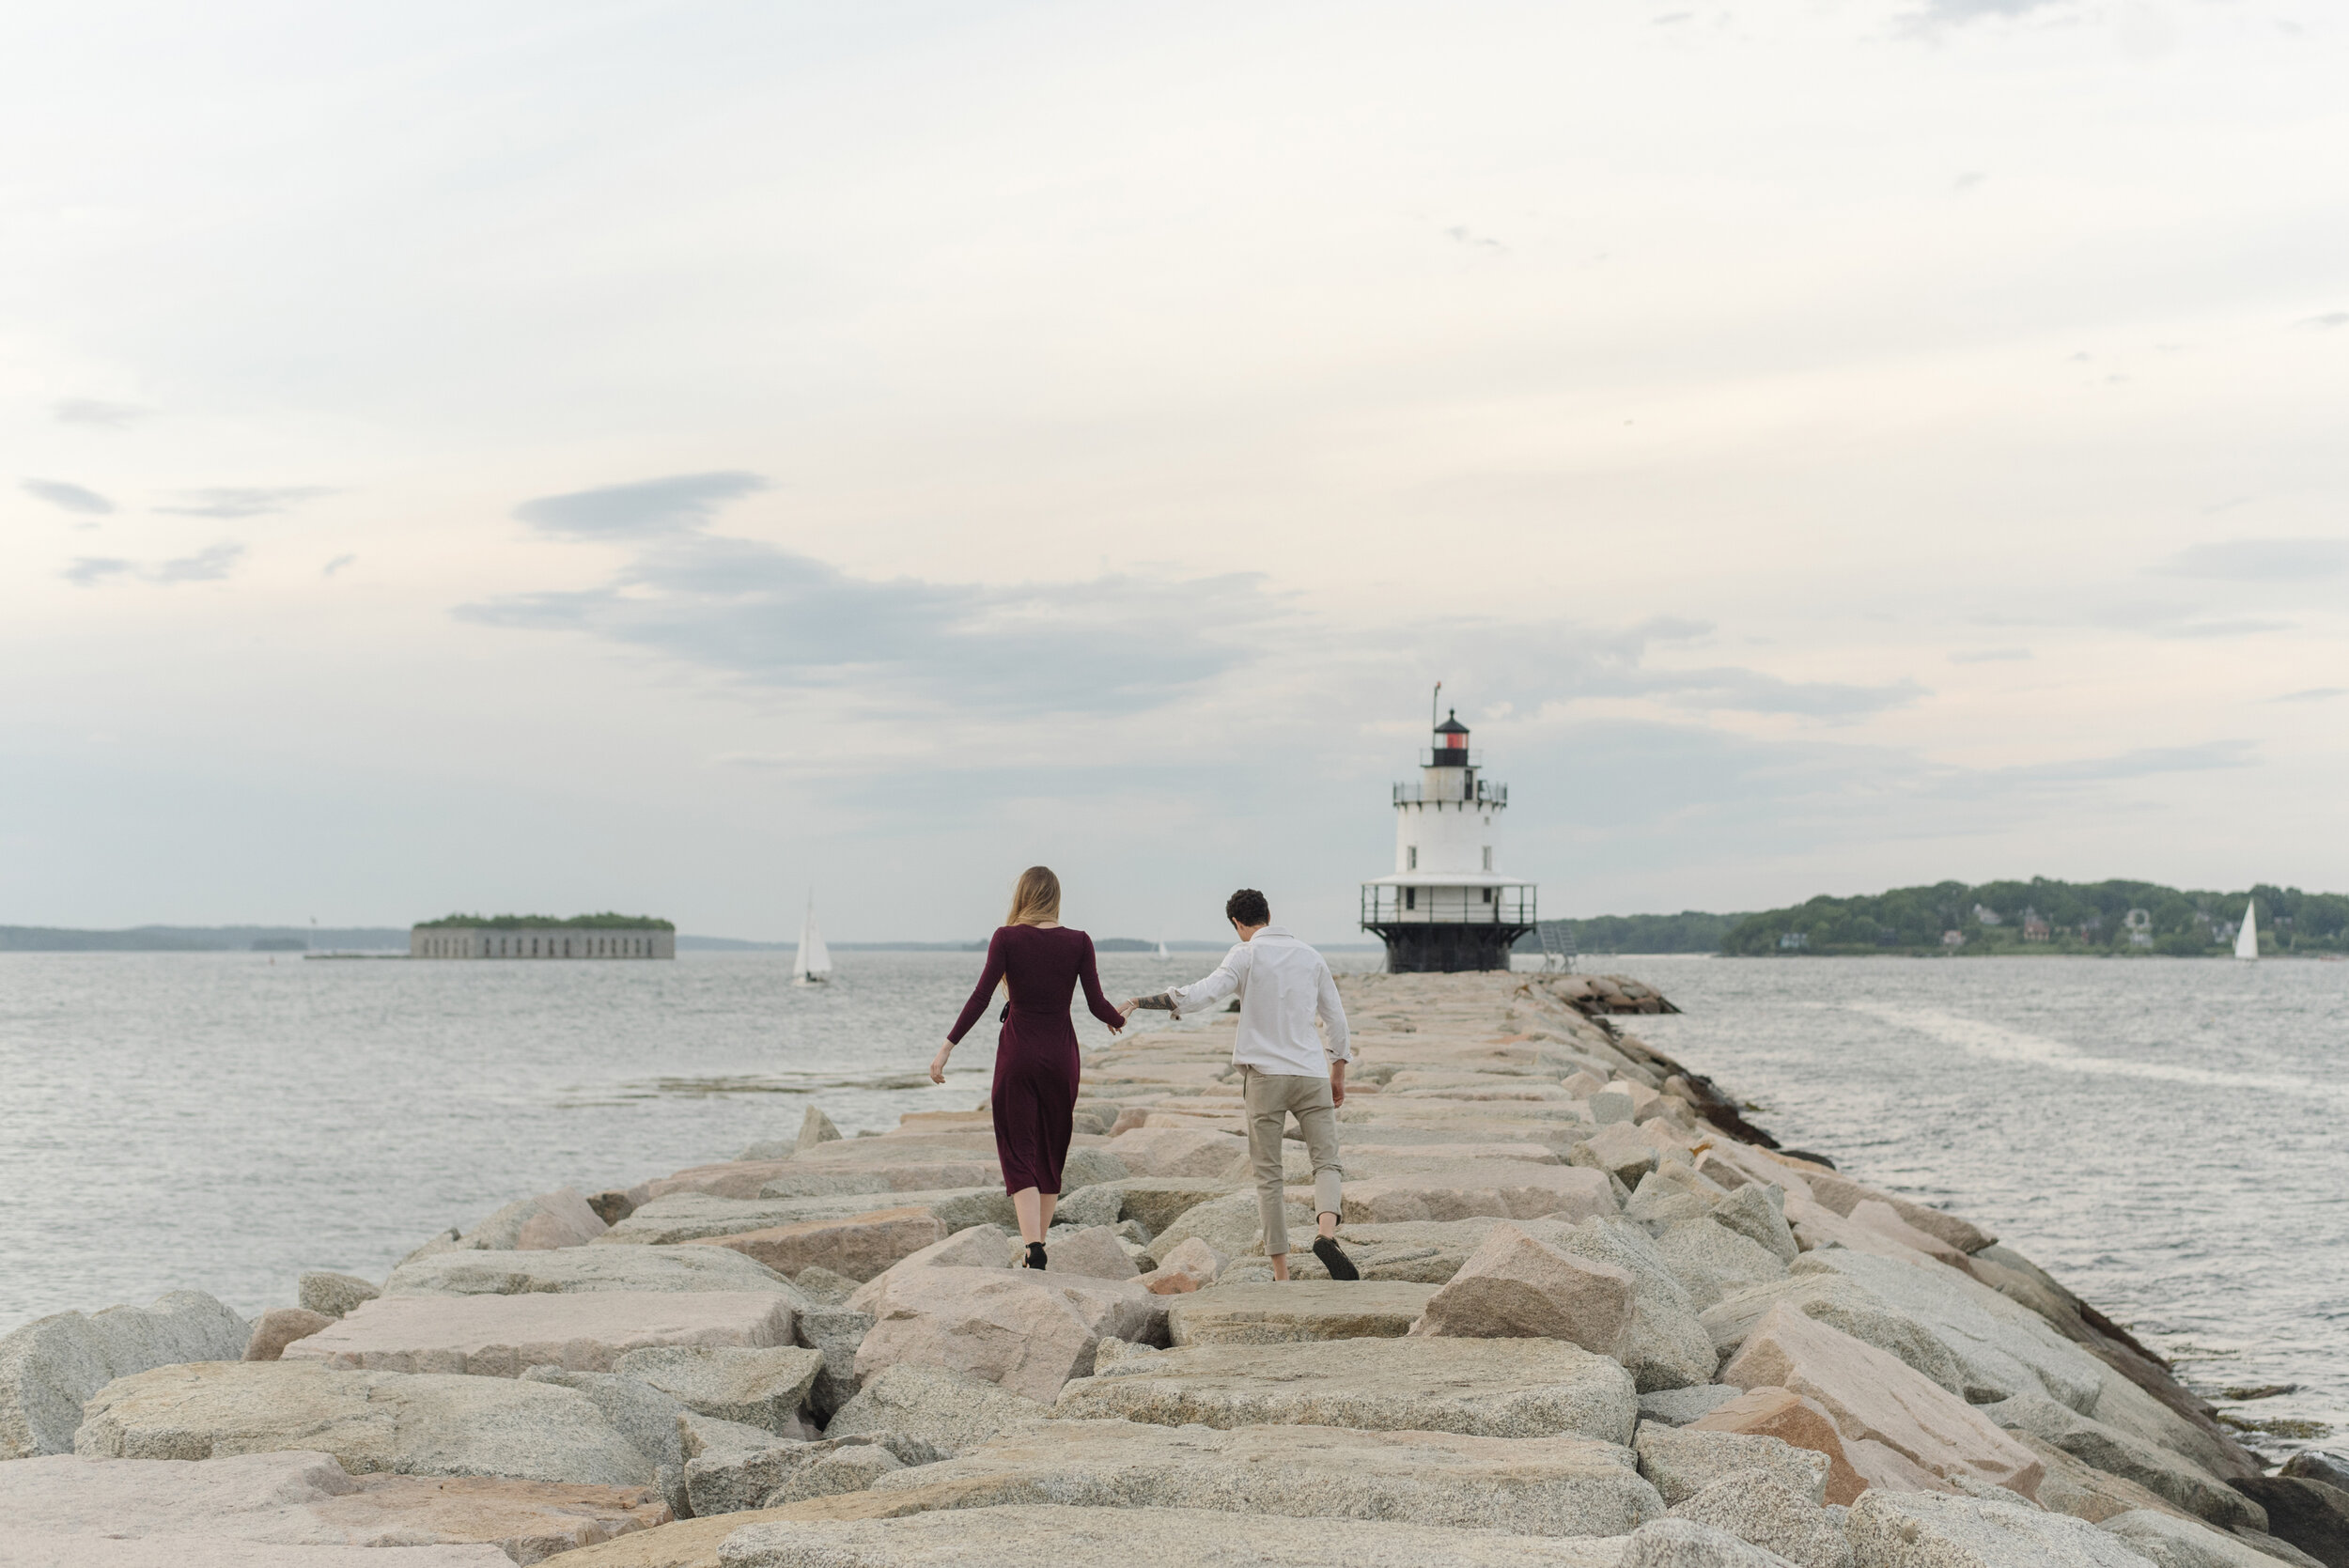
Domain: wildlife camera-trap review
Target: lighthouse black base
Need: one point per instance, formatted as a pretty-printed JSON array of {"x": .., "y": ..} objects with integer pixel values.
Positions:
[{"x": 1448, "y": 949}]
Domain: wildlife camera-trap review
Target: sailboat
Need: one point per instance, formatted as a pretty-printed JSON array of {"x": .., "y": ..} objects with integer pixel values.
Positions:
[
  {"x": 1162, "y": 952},
  {"x": 813, "y": 967},
  {"x": 2247, "y": 940}
]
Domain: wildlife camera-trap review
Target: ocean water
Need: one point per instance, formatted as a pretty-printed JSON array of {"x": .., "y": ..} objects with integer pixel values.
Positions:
[{"x": 2164, "y": 1136}]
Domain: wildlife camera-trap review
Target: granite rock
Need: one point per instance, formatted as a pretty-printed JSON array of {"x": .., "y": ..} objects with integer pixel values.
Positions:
[
  {"x": 1482, "y": 1387},
  {"x": 1094, "y": 1251},
  {"x": 1796, "y": 1421},
  {"x": 815, "y": 1127},
  {"x": 578, "y": 1269},
  {"x": 684, "y": 1217},
  {"x": 1506, "y": 1188},
  {"x": 639, "y": 1412},
  {"x": 857, "y": 1246},
  {"x": 1873, "y": 1397},
  {"x": 29, "y": 1550},
  {"x": 1712, "y": 1261},
  {"x": 1300, "y": 1310},
  {"x": 2085, "y": 1492},
  {"x": 1681, "y": 1462},
  {"x": 2170, "y": 1542},
  {"x": 2116, "y": 1453},
  {"x": 1925, "y": 1529},
  {"x": 974, "y": 1247},
  {"x": 278, "y": 1327},
  {"x": 1846, "y": 1305},
  {"x": 1679, "y": 1406},
  {"x": 333, "y": 1294},
  {"x": 1189, "y": 1266},
  {"x": 1141, "y": 1538},
  {"x": 551, "y": 1220},
  {"x": 1175, "y": 1150},
  {"x": 498, "y": 1336},
  {"x": 1158, "y": 1202},
  {"x": 297, "y": 1498},
  {"x": 408, "y": 1424},
  {"x": 1750, "y": 1212},
  {"x": 1558, "y": 1485},
  {"x": 2001, "y": 1348},
  {"x": 51, "y": 1366},
  {"x": 1026, "y": 1332},
  {"x": 1759, "y": 1508},
  {"x": 762, "y": 1387},
  {"x": 835, "y": 1332},
  {"x": 1689, "y": 1544},
  {"x": 1616, "y": 1150},
  {"x": 1229, "y": 1224},
  {"x": 1513, "y": 1286},
  {"x": 948, "y": 1412}
]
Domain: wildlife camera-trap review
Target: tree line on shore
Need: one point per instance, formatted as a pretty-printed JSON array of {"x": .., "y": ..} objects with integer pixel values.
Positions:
[{"x": 1975, "y": 920}]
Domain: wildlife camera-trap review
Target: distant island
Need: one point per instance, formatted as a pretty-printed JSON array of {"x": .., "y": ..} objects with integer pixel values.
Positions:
[{"x": 1993, "y": 919}]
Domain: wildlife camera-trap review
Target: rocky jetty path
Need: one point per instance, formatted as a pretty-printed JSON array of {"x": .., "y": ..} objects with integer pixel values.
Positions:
[{"x": 1603, "y": 1323}]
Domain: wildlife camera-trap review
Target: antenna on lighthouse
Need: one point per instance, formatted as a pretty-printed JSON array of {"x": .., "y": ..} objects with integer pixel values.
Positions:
[{"x": 1435, "y": 701}]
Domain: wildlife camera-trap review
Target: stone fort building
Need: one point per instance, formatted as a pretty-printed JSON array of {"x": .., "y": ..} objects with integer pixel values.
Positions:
[{"x": 539, "y": 936}]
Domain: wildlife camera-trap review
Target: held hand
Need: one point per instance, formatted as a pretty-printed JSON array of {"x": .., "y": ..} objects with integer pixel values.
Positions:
[
  {"x": 1125, "y": 1008},
  {"x": 938, "y": 1063}
]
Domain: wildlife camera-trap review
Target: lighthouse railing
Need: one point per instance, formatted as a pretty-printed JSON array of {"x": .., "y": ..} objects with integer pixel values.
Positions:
[{"x": 1487, "y": 794}]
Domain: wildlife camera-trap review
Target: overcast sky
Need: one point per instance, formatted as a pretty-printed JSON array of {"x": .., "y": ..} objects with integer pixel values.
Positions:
[{"x": 671, "y": 456}]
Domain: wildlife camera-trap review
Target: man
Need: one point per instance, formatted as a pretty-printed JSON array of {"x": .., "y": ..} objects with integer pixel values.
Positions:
[{"x": 1285, "y": 1068}]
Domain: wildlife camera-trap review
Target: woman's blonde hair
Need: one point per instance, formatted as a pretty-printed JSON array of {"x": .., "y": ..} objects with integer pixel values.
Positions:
[{"x": 1035, "y": 899}]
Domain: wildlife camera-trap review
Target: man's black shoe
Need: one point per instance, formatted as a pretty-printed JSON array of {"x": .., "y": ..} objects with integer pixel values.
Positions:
[{"x": 1333, "y": 1258}]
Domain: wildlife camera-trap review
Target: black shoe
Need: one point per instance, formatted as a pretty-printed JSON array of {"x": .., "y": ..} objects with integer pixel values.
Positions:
[
  {"x": 1333, "y": 1258},
  {"x": 1035, "y": 1255}
]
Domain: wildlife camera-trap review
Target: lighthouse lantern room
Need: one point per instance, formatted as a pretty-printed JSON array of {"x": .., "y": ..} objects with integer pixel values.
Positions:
[{"x": 1448, "y": 907}]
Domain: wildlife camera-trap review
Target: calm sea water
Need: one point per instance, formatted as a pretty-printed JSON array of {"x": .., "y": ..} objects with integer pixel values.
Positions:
[{"x": 2165, "y": 1136}]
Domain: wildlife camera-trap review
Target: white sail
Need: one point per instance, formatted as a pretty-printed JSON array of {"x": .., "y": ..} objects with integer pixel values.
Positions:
[
  {"x": 1162, "y": 952},
  {"x": 2246, "y": 940},
  {"x": 814, "y": 964}
]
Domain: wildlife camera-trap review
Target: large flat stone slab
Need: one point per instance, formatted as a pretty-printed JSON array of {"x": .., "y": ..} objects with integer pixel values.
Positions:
[
  {"x": 49, "y": 1367},
  {"x": 1480, "y": 1388},
  {"x": 855, "y": 1246},
  {"x": 691, "y": 1215},
  {"x": 27, "y": 1550},
  {"x": 1027, "y": 1332},
  {"x": 502, "y": 1336},
  {"x": 1525, "y": 1485},
  {"x": 370, "y": 1421},
  {"x": 1142, "y": 1538},
  {"x": 1506, "y": 1188},
  {"x": 1158, "y": 1202},
  {"x": 300, "y": 1498},
  {"x": 582, "y": 1268},
  {"x": 1300, "y": 1310}
]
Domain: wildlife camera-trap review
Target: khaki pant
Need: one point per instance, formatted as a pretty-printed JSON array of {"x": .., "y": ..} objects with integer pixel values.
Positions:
[{"x": 1272, "y": 1098}]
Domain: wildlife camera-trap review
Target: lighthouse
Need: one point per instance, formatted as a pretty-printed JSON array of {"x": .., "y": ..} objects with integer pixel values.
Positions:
[{"x": 1448, "y": 907}]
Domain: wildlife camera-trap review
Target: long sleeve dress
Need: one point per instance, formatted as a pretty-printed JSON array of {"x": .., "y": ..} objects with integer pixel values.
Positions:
[{"x": 1036, "y": 1065}]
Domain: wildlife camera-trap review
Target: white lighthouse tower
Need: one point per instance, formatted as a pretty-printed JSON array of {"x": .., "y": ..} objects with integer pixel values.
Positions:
[{"x": 1448, "y": 907}]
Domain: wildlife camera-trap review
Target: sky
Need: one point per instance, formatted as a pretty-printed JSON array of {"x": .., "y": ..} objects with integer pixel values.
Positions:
[{"x": 684, "y": 457}]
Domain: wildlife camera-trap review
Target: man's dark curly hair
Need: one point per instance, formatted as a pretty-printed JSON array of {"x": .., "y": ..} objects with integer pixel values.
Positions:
[{"x": 1248, "y": 908}]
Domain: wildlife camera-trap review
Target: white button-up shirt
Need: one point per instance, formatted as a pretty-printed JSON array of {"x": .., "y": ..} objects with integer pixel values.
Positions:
[{"x": 1284, "y": 985}]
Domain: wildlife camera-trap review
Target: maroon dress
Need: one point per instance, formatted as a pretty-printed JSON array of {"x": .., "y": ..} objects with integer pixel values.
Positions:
[{"x": 1036, "y": 1056}]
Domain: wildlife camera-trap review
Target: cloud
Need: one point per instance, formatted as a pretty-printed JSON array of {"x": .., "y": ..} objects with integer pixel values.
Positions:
[
  {"x": 1116, "y": 645},
  {"x": 1991, "y": 656},
  {"x": 107, "y": 417},
  {"x": 2145, "y": 762},
  {"x": 2330, "y": 319},
  {"x": 2259, "y": 560},
  {"x": 88, "y": 570},
  {"x": 337, "y": 564},
  {"x": 206, "y": 565},
  {"x": 650, "y": 508},
  {"x": 70, "y": 498},
  {"x": 1460, "y": 234},
  {"x": 1968, "y": 180},
  {"x": 244, "y": 503},
  {"x": 1968, "y": 11},
  {"x": 2315, "y": 694},
  {"x": 775, "y": 618}
]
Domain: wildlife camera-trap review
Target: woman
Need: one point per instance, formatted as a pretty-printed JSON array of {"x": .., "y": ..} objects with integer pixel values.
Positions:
[{"x": 1039, "y": 961}]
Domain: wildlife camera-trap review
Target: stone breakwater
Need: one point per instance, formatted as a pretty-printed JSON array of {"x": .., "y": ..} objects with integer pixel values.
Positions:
[{"x": 1603, "y": 1323}]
